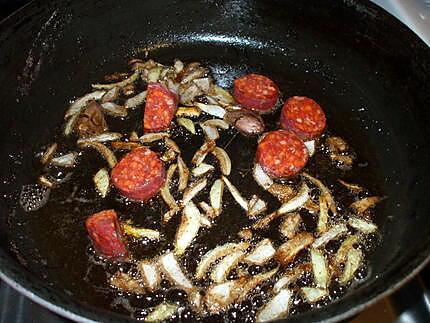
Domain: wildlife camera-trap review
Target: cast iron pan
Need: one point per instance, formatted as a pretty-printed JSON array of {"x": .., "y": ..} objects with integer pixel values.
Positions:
[{"x": 370, "y": 73}]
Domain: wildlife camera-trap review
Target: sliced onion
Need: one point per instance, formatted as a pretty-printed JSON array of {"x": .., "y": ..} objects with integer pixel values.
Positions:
[
  {"x": 296, "y": 202},
  {"x": 179, "y": 66},
  {"x": 184, "y": 174},
  {"x": 174, "y": 273},
  {"x": 169, "y": 214},
  {"x": 188, "y": 228},
  {"x": 262, "y": 253},
  {"x": 49, "y": 153},
  {"x": 211, "y": 109},
  {"x": 111, "y": 95},
  {"x": 224, "y": 160},
  {"x": 68, "y": 160},
  {"x": 222, "y": 96},
  {"x": 153, "y": 136},
  {"x": 322, "y": 225},
  {"x": 261, "y": 177},
  {"x": 121, "y": 84},
  {"x": 245, "y": 234},
  {"x": 188, "y": 112},
  {"x": 311, "y": 206},
  {"x": 288, "y": 251},
  {"x": 104, "y": 137},
  {"x": 202, "y": 169},
  {"x": 333, "y": 233},
  {"x": 211, "y": 133},
  {"x": 222, "y": 269},
  {"x": 319, "y": 268},
  {"x": 102, "y": 182},
  {"x": 215, "y": 195},
  {"x": 168, "y": 155},
  {"x": 47, "y": 182},
  {"x": 207, "y": 209},
  {"x": 353, "y": 262},
  {"x": 291, "y": 276},
  {"x": 150, "y": 274},
  {"x": 310, "y": 145},
  {"x": 172, "y": 145},
  {"x": 140, "y": 233},
  {"x": 133, "y": 136},
  {"x": 352, "y": 187},
  {"x": 313, "y": 295},
  {"x": 204, "y": 84},
  {"x": 124, "y": 282},
  {"x": 191, "y": 191},
  {"x": 194, "y": 74},
  {"x": 162, "y": 312},
  {"x": 187, "y": 124},
  {"x": 277, "y": 307},
  {"x": 342, "y": 252},
  {"x": 282, "y": 192},
  {"x": 125, "y": 145},
  {"x": 235, "y": 193},
  {"x": 107, "y": 154},
  {"x": 256, "y": 206},
  {"x": 70, "y": 124},
  {"x": 216, "y": 123},
  {"x": 215, "y": 254},
  {"x": 362, "y": 225},
  {"x": 364, "y": 204},
  {"x": 324, "y": 191},
  {"x": 154, "y": 74},
  {"x": 202, "y": 152},
  {"x": 79, "y": 104},
  {"x": 188, "y": 92},
  {"x": 114, "y": 109},
  {"x": 205, "y": 221},
  {"x": 135, "y": 101},
  {"x": 290, "y": 225},
  {"x": 165, "y": 189}
]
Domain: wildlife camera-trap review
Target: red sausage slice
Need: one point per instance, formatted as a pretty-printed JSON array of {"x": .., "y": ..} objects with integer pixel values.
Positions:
[
  {"x": 160, "y": 107},
  {"x": 256, "y": 92},
  {"x": 281, "y": 154},
  {"x": 105, "y": 233},
  {"x": 303, "y": 116},
  {"x": 139, "y": 175}
]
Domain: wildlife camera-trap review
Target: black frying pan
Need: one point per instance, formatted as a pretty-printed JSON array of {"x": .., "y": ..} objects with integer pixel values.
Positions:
[{"x": 370, "y": 73}]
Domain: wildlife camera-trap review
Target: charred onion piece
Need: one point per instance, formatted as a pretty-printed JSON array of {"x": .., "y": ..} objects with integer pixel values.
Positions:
[
  {"x": 111, "y": 95},
  {"x": 77, "y": 106},
  {"x": 127, "y": 145},
  {"x": 361, "y": 206},
  {"x": 352, "y": 187},
  {"x": 188, "y": 112},
  {"x": 103, "y": 150},
  {"x": 165, "y": 190},
  {"x": 91, "y": 121},
  {"x": 202, "y": 152},
  {"x": 288, "y": 251},
  {"x": 124, "y": 282},
  {"x": 290, "y": 225},
  {"x": 151, "y": 137},
  {"x": 184, "y": 174},
  {"x": 324, "y": 191},
  {"x": 322, "y": 225}
]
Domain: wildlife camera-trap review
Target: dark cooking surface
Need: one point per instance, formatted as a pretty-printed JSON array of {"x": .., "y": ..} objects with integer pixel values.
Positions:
[{"x": 335, "y": 70}]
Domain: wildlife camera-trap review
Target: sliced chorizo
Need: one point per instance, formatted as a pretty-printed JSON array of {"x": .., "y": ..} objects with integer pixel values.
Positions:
[
  {"x": 256, "y": 92},
  {"x": 160, "y": 108},
  {"x": 105, "y": 233},
  {"x": 303, "y": 116},
  {"x": 281, "y": 154},
  {"x": 139, "y": 175}
]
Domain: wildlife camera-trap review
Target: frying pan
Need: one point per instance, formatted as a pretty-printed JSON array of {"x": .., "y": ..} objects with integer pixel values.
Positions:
[{"x": 370, "y": 73}]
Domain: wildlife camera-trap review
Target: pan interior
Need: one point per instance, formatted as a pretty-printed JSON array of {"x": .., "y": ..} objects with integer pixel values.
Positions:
[{"x": 373, "y": 97}]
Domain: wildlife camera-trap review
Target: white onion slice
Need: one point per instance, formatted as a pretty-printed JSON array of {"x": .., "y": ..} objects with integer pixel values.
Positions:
[
  {"x": 169, "y": 214},
  {"x": 107, "y": 154},
  {"x": 261, "y": 177},
  {"x": 211, "y": 133},
  {"x": 313, "y": 295},
  {"x": 202, "y": 169},
  {"x": 215, "y": 195},
  {"x": 324, "y": 191},
  {"x": 296, "y": 202},
  {"x": 277, "y": 307},
  {"x": 150, "y": 274},
  {"x": 216, "y": 123},
  {"x": 224, "y": 160},
  {"x": 319, "y": 268},
  {"x": 322, "y": 225},
  {"x": 110, "y": 95},
  {"x": 353, "y": 262},
  {"x": 114, "y": 109},
  {"x": 67, "y": 160},
  {"x": 202, "y": 152},
  {"x": 256, "y": 206},
  {"x": 140, "y": 233},
  {"x": 104, "y": 137},
  {"x": 310, "y": 145},
  {"x": 49, "y": 153},
  {"x": 135, "y": 101},
  {"x": 173, "y": 271},
  {"x": 352, "y": 187},
  {"x": 188, "y": 228},
  {"x": 291, "y": 277},
  {"x": 262, "y": 253},
  {"x": 213, "y": 110},
  {"x": 121, "y": 84},
  {"x": 235, "y": 193},
  {"x": 290, "y": 225},
  {"x": 70, "y": 124},
  {"x": 207, "y": 209},
  {"x": 154, "y": 136},
  {"x": 213, "y": 255},
  {"x": 222, "y": 269},
  {"x": 162, "y": 312},
  {"x": 80, "y": 103},
  {"x": 178, "y": 65},
  {"x": 362, "y": 225},
  {"x": 187, "y": 124},
  {"x": 342, "y": 252},
  {"x": 102, "y": 182},
  {"x": 191, "y": 191},
  {"x": 184, "y": 174},
  {"x": 165, "y": 189},
  {"x": 334, "y": 232},
  {"x": 204, "y": 83}
]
